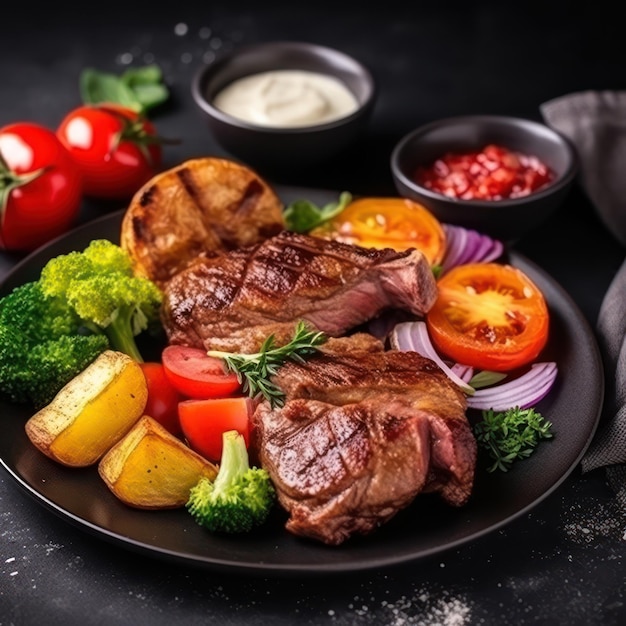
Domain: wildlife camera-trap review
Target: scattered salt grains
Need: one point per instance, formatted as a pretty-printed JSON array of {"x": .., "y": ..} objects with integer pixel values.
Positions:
[
  {"x": 50, "y": 547},
  {"x": 205, "y": 33},
  {"x": 584, "y": 528},
  {"x": 206, "y": 52},
  {"x": 181, "y": 29},
  {"x": 421, "y": 609},
  {"x": 126, "y": 58}
]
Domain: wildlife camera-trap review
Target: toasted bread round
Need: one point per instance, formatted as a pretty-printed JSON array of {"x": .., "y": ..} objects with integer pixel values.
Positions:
[{"x": 199, "y": 208}]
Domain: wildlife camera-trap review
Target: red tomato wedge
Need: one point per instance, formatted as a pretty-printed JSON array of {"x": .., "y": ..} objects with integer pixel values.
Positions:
[
  {"x": 197, "y": 375},
  {"x": 489, "y": 316},
  {"x": 163, "y": 397},
  {"x": 203, "y": 422}
]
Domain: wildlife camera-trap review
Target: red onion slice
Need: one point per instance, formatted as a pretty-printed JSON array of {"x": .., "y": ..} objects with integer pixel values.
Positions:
[
  {"x": 413, "y": 337},
  {"x": 456, "y": 242},
  {"x": 468, "y": 246},
  {"x": 523, "y": 392},
  {"x": 464, "y": 372}
]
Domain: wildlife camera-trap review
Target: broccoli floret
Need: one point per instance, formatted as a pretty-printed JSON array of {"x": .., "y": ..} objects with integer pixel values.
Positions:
[
  {"x": 241, "y": 496},
  {"x": 99, "y": 286},
  {"x": 42, "y": 345}
]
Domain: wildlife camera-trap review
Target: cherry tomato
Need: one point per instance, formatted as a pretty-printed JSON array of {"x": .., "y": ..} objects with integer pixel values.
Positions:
[
  {"x": 204, "y": 422},
  {"x": 40, "y": 187},
  {"x": 489, "y": 316},
  {"x": 396, "y": 223},
  {"x": 163, "y": 397},
  {"x": 197, "y": 375},
  {"x": 116, "y": 150}
]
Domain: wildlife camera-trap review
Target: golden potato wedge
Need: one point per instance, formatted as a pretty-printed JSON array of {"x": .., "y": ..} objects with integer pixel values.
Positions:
[
  {"x": 152, "y": 469},
  {"x": 92, "y": 412},
  {"x": 200, "y": 207}
]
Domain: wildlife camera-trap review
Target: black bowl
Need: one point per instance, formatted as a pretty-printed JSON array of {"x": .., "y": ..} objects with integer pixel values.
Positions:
[
  {"x": 508, "y": 218},
  {"x": 268, "y": 147}
]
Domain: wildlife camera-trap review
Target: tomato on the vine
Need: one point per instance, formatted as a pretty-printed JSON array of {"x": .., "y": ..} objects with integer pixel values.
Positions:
[
  {"x": 40, "y": 187},
  {"x": 163, "y": 397},
  {"x": 116, "y": 149},
  {"x": 489, "y": 316},
  {"x": 393, "y": 222}
]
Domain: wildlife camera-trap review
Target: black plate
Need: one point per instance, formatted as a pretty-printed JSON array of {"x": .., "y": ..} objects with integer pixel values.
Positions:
[{"x": 425, "y": 528}]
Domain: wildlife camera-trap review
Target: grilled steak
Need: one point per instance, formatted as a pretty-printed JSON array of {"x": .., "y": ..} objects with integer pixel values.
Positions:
[
  {"x": 237, "y": 299},
  {"x": 361, "y": 434}
]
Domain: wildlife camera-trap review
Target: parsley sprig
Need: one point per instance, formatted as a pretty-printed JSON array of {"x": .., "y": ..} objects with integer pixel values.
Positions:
[
  {"x": 511, "y": 435},
  {"x": 255, "y": 370}
]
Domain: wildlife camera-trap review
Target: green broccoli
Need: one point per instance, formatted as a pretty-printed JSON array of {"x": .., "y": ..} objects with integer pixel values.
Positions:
[
  {"x": 42, "y": 345},
  {"x": 241, "y": 496},
  {"x": 99, "y": 285}
]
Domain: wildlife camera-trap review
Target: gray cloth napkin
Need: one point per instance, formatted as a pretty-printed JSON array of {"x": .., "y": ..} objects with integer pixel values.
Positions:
[{"x": 595, "y": 121}]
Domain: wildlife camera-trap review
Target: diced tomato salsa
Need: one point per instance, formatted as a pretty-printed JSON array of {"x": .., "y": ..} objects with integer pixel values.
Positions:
[{"x": 493, "y": 173}]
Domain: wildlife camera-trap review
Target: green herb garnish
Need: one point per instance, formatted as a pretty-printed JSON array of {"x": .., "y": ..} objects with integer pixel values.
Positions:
[
  {"x": 138, "y": 88},
  {"x": 511, "y": 435},
  {"x": 255, "y": 370},
  {"x": 486, "y": 378},
  {"x": 302, "y": 216}
]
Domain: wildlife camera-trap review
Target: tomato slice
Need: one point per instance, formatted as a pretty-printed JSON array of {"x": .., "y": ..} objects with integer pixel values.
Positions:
[
  {"x": 163, "y": 397},
  {"x": 203, "y": 422},
  {"x": 397, "y": 223},
  {"x": 489, "y": 316},
  {"x": 197, "y": 375}
]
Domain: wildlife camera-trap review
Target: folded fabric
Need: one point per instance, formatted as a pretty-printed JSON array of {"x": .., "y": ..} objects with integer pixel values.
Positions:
[
  {"x": 595, "y": 122},
  {"x": 608, "y": 448}
]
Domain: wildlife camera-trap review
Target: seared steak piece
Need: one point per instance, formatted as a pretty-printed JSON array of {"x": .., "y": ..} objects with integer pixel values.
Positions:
[
  {"x": 360, "y": 435},
  {"x": 235, "y": 300}
]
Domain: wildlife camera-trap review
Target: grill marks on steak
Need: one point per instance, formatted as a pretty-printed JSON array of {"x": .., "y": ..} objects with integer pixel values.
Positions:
[
  {"x": 361, "y": 434},
  {"x": 235, "y": 300}
]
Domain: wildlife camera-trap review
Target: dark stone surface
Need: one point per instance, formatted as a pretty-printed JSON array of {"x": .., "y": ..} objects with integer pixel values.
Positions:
[{"x": 563, "y": 562}]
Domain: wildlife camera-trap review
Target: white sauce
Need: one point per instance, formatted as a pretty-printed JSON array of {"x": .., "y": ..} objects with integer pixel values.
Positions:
[{"x": 286, "y": 98}]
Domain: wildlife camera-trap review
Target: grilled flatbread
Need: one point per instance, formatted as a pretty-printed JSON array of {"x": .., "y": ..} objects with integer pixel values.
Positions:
[{"x": 199, "y": 208}]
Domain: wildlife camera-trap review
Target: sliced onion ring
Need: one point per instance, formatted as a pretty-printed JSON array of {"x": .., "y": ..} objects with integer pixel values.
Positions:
[
  {"x": 413, "y": 337},
  {"x": 524, "y": 392},
  {"x": 468, "y": 246},
  {"x": 464, "y": 372}
]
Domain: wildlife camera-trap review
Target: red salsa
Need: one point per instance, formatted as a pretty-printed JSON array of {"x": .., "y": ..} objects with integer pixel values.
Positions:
[{"x": 494, "y": 173}]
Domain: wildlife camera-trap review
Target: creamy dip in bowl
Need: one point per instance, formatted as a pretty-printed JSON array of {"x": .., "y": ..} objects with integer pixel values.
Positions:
[
  {"x": 285, "y": 104},
  {"x": 287, "y": 98}
]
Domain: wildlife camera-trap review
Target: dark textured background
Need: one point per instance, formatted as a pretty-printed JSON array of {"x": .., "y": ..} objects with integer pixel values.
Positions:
[{"x": 560, "y": 564}]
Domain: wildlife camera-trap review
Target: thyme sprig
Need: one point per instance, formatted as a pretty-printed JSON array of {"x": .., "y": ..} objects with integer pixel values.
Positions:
[
  {"x": 511, "y": 435},
  {"x": 255, "y": 371}
]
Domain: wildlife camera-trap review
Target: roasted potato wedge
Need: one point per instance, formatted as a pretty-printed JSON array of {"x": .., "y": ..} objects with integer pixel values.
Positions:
[
  {"x": 200, "y": 207},
  {"x": 92, "y": 412},
  {"x": 152, "y": 469}
]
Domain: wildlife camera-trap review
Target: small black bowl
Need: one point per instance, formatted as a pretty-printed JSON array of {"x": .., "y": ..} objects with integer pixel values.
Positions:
[
  {"x": 506, "y": 219},
  {"x": 270, "y": 147}
]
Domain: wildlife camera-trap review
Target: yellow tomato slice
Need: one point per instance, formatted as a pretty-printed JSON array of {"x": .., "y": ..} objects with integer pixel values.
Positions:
[
  {"x": 396, "y": 223},
  {"x": 489, "y": 316}
]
